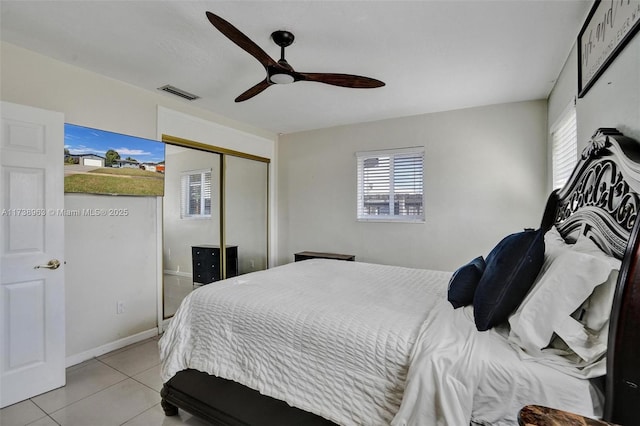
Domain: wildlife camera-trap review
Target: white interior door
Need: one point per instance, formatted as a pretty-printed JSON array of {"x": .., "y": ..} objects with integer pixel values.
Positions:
[{"x": 32, "y": 313}]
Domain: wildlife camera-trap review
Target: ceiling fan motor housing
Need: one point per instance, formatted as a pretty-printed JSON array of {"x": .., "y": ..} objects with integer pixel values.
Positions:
[{"x": 282, "y": 38}]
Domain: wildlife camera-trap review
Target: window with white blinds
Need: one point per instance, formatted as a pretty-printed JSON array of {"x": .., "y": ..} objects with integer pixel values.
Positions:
[
  {"x": 390, "y": 185},
  {"x": 565, "y": 147},
  {"x": 195, "y": 200}
]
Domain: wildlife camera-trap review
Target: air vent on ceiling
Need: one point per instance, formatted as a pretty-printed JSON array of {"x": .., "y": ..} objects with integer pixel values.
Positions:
[{"x": 178, "y": 92}]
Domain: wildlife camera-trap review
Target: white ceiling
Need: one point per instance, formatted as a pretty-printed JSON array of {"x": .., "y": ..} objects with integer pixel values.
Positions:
[{"x": 432, "y": 55}]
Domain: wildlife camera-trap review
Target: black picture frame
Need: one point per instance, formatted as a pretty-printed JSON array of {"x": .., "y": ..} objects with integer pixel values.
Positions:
[{"x": 609, "y": 27}]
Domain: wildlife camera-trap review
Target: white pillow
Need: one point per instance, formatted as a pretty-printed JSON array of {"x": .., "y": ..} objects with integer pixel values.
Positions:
[
  {"x": 596, "y": 310},
  {"x": 567, "y": 282},
  {"x": 555, "y": 245},
  {"x": 553, "y": 238}
]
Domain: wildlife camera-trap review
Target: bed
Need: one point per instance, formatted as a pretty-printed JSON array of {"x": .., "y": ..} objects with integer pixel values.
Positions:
[{"x": 324, "y": 342}]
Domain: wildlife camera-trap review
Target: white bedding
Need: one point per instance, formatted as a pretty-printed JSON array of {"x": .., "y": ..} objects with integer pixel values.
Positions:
[
  {"x": 458, "y": 374},
  {"x": 336, "y": 338},
  {"x": 330, "y": 337}
]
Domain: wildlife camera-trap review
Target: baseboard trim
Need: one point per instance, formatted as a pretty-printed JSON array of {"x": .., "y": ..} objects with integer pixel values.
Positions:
[
  {"x": 178, "y": 273},
  {"x": 118, "y": 344}
]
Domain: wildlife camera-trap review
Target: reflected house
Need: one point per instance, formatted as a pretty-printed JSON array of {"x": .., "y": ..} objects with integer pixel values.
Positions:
[
  {"x": 152, "y": 167},
  {"x": 86, "y": 160},
  {"x": 119, "y": 163}
]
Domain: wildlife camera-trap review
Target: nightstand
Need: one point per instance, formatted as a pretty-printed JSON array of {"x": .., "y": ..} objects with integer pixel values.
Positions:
[
  {"x": 304, "y": 255},
  {"x": 536, "y": 415}
]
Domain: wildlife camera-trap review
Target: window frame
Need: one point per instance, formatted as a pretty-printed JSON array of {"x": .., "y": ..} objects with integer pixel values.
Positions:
[
  {"x": 393, "y": 155},
  {"x": 185, "y": 199}
]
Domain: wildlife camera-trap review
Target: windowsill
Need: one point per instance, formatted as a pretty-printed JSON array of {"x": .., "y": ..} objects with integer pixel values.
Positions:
[
  {"x": 195, "y": 217},
  {"x": 390, "y": 220}
]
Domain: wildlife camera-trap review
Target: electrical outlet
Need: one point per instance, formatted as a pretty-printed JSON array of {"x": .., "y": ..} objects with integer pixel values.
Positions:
[
  {"x": 120, "y": 307},
  {"x": 252, "y": 264}
]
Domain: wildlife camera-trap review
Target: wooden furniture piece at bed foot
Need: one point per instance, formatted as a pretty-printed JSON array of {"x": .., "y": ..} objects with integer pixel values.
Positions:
[
  {"x": 304, "y": 255},
  {"x": 227, "y": 403},
  {"x": 536, "y": 415}
]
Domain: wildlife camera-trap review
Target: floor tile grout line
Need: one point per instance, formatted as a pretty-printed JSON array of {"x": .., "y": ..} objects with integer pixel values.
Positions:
[
  {"x": 139, "y": 414},
  {"x": 42, "y": 409},
  {"x": 98, "y": 359},
  {"x": 53, "y": 420},
  {"x": 40, "y": 419},
  {"x": 111, "y": 366},
  {"x": 127, "y": 374},
  {"x": 34, "y": 403},
  {"x": 144, "y": 384},
  {"x": 87, "y": 396},
  {"x": 125, "y": 348},
  {"x": 102, "y": 390}
]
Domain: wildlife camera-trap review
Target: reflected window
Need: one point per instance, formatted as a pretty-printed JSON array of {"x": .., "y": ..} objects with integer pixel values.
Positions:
[{"x": 195, "y": 199}]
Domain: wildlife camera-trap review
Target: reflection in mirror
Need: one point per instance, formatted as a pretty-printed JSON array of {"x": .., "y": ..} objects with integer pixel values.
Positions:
[
  {"x": 192, "y": 221},
  {"x": 246, "y": 211},
  {"x": 191, "y": 217}
]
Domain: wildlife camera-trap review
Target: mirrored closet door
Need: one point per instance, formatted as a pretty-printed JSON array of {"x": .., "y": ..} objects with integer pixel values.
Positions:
[
  {"x": 191, "y": 216},
  {"x": 246, "y": 194},
  {"x": 215, "y": 215}
]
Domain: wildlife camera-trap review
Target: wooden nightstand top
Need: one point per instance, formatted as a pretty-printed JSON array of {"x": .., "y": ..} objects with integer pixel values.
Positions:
[
  {"x": 304, "y": 255},
  {"x": 536, "y": 415}
]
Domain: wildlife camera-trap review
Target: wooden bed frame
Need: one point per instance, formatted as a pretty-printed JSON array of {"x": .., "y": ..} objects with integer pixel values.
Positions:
[{"x": 601, "y": 200}]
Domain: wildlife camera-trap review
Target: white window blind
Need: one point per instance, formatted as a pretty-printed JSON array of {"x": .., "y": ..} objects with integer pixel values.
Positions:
[
  {"x": 565, "y": 147},
  {"x": 390, "y": 185},
  {"x": 195, "y": 200}
]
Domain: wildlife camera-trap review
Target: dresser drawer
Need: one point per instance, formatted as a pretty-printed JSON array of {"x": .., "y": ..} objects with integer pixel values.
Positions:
[{"x": 206, "y": 263}]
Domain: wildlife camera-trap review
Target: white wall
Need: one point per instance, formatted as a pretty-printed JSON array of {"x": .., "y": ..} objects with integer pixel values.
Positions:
[
  {"x": 111, "y": 259},
  {"x": 485, "y": 177}
]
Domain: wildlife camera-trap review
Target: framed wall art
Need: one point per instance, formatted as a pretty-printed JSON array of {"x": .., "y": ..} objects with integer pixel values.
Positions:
[{"x": 610, "y": 25}]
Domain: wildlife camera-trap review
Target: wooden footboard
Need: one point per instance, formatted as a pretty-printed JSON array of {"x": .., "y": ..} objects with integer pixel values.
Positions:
[{"x": 227, "y": 403}]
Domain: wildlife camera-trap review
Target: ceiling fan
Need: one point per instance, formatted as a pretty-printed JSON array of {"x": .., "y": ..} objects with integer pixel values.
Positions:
[{"x": 281, "y": 72}]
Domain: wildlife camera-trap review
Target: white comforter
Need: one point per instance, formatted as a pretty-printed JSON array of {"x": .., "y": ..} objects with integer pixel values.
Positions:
[
  {"x": 330, "y": 337},
  {"x": 458, "y": 375},
  {"x": 337, "y": 339}
]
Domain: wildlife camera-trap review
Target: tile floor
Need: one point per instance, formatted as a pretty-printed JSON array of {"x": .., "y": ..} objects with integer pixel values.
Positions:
[
  {"x": 118, "y": 388},
  {"x": 176, "y": 288}
]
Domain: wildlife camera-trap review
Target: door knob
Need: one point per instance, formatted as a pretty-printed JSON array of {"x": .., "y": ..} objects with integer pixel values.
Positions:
[{"x": 53, "y": 264}]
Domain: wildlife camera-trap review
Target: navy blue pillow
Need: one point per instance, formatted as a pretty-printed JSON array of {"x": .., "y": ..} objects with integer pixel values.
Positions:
[
  {"x": 464, "y": 280},
  {"x": 512, "y": 267}
]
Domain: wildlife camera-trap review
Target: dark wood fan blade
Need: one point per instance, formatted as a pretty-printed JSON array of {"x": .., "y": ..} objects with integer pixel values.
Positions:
[
  {"x": 248, "y": 94},
  {"x": 233, "y": 34},
  {"x": 343, "y": 80}
]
